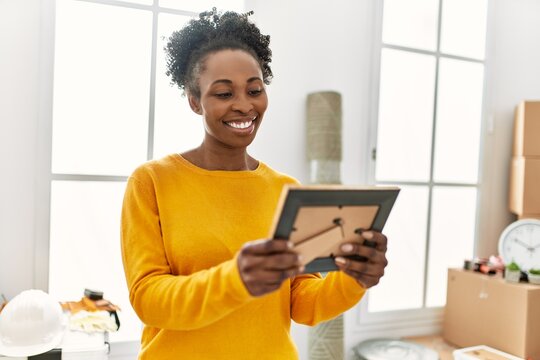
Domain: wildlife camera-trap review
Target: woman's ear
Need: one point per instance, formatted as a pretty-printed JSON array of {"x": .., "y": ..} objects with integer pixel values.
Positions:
[{"x": 194, "y": 104}]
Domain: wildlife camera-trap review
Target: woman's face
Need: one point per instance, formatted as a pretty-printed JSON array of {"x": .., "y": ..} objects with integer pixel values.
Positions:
[{"x": 233, "y": 98}]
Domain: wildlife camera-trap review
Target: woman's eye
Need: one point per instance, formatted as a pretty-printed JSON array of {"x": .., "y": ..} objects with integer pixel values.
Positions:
[
  {"x": 223, "y": 95},
  {"x": 255, "y": 92}
]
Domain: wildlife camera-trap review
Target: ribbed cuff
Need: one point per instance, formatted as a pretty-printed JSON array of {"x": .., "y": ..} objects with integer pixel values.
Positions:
[{"x": 240, "y": 292}]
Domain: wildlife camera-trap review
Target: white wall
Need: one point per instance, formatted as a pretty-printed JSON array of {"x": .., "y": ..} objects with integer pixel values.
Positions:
[
  {"x": 513, "y": 75},
  {"x": 19, "y": 103},
  {"x": 315, "y": 47}
]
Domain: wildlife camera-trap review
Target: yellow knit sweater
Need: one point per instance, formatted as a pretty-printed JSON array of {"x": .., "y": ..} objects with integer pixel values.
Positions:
[{"x": 182, "y": 227}]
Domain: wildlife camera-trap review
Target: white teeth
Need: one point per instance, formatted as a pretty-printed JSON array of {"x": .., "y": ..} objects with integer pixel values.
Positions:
[{"x": 240, "y": 125}]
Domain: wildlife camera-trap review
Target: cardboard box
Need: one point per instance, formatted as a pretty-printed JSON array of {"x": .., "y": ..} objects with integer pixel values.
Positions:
[
  {"x": 482, "y": 309},
  {"x": 529, "y": 216},
  {"x": 527, "y": 129},
  {"x": 482, "y": 352},
  {"x": 524, "y": 189}
]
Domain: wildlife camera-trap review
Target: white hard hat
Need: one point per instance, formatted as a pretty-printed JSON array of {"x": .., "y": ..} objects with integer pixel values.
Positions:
[{"x": 31, "y": 324}]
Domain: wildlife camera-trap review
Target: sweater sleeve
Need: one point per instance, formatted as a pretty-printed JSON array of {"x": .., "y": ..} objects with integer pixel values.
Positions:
[
  {"x": 314, "y": 299},
  {"x": 160, "y": 298}
]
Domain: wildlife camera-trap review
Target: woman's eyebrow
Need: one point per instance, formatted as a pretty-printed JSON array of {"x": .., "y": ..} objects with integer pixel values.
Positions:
[
  {"x": 227, "y": 81},
  {"x": 222, "y": 81}
]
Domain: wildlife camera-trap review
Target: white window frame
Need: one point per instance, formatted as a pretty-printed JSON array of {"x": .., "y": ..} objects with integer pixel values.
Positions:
[{"x": 363, "y": 324}]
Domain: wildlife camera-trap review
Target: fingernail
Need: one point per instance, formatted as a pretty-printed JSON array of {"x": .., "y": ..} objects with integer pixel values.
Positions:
[
  {"x": 347, "y": 247},
  {"x": 301, "y": 258},
  {"x": 290, "y": 245},
  {"x": 340, "y": 260},
  {"x": 368, "y": 235},
  {"x": 302, "y": 268}
]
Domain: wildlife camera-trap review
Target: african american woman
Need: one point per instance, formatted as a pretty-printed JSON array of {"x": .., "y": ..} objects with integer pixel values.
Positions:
[{"x": 202, "y": 276}]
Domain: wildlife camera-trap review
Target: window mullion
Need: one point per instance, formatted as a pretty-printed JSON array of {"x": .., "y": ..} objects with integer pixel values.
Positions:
[
  {"x": 87, "y": 177},
  {"x": 429, "y": 52},
  {"x": 152, "y": 103},
  {"x": 431, "y": 170},
  {"x": 44, "y": 147}
]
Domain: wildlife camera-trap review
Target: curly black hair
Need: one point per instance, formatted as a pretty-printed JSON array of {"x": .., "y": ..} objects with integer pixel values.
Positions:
[{"x": 212, "y": 31}]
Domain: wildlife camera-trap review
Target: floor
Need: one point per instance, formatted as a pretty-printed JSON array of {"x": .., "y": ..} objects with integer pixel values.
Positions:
[{"x": 436, "y": 343}]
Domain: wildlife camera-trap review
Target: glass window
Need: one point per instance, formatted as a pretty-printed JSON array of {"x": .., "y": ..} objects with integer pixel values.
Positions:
[
  {"x": 407, "y": 88},
  {"x": 452, "y": 236},
  {"x": 463, "y": 30},
  {"x": 411, "y": 23},
  {"x": 101, "y": 87},
  {"x": 142, "y": 2},
  {"x": 433, "y": 154},
  {"x": 406, "y": 230},
  {"x": 85, "y": 247},
  {"x": 459, "y": 120},
  {"x": 103, "y": 96},
  {"x": 177, "y": 128},
  {"x": 203, "y": 5}
]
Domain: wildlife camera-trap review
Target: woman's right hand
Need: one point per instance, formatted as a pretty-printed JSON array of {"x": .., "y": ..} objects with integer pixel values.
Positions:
[{"x": 265, "y": 264}]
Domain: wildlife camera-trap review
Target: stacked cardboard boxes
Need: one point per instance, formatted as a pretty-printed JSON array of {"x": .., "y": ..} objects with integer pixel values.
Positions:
[
  {"x": 487, "y": 310},
  {"x": 524, "y": 199}
]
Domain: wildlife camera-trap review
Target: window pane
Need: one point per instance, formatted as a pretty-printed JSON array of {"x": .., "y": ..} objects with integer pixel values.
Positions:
[
  {"x": 459, "y": 116},
  {"x": 85, "y": 247},
  {"x": 142, "y": 2},
  {"x": 203, "y": 5},
  {"x": 463, "y": 28},
  {"x": 452, "y": 233},
  {"x": 402, "y": 286},
  {"x": 101, "y": 88},
  {"x": 411, "y": 23},
  {"x": 176, "y": 127},
  {"x": 405, "y": 116}
]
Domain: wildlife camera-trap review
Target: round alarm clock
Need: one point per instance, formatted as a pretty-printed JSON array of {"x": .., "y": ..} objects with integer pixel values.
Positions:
[{"x": 520, "y": 243}]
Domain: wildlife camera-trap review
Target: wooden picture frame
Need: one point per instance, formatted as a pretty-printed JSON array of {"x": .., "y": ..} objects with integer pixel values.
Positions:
[{"x": 319, "y": 218}]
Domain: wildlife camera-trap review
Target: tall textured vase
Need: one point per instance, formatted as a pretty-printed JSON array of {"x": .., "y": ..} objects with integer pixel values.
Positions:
[{"x": 325, "y": 340}]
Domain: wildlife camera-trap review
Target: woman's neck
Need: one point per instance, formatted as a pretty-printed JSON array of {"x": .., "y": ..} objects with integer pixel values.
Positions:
[{"x": 212, "y": 159}]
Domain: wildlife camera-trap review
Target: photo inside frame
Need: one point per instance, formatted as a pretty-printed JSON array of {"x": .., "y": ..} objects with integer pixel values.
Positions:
[{"x": 318, "y": 231}]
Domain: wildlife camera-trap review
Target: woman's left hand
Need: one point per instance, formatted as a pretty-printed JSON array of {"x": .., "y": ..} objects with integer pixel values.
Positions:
[{"x": 367, "y": 273}]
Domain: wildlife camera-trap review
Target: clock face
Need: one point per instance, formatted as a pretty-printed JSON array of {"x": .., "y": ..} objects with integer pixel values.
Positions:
[{"x": 520, "y": 242}]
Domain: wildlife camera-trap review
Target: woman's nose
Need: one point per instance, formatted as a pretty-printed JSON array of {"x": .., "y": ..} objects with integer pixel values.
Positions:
[{"x": 242, "y": 104}]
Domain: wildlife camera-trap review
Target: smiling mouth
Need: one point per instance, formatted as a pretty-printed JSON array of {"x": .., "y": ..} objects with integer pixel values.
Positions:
[{"x": 241, "y": 124}]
